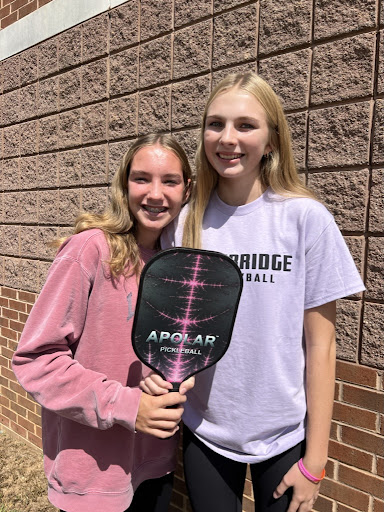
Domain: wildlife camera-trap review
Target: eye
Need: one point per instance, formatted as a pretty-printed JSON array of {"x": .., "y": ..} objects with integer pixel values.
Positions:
[
  {"x": 214, "y": 124},
  {"x": 173, "y": 182},
  {"x": 140, "y": 179},
  {"x": 246, "y": 126}
]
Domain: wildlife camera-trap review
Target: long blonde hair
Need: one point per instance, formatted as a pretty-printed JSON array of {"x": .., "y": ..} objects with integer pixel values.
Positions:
[
  {"x": 278, "y": 171},
  {"x": 117, "y": 222}
]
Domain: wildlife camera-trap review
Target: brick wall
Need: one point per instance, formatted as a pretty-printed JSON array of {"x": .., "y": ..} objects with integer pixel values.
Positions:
[
  {"x": 13, "y": 10},
  {"x": 70, "y": 105}
]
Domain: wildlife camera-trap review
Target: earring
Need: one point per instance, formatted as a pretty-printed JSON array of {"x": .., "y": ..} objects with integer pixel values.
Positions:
[{"x": 268, "y": 156}]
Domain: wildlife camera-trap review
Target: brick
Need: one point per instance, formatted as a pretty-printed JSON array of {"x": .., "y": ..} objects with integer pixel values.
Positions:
[
  {"x": 43, "y": 272},
  {"x": 10, "y": 240},
  {"x": 95, "y": 37},
  {"x": 11, "y": 107},
  {"x": 343, "y": 69},
  {"x": 93, "y": 165},
  {"x": 48, "y": 96},
  {"x": 11, "y": 141},
  {"x": 27, "y": 297},
  {"x": 363, "y": 440},
  {"x": 116, "y": 151},
  {"x": 378, "y": 505},
  {"x": 28, "y": 139},
  {"x": 375, "y": 269},
  {"x": 123, "y": 117},
  {"x": 345, "y": 195},
  {"x": 8, "y": 292},
  {"x": 28, "y": 207},
  {"x": 5, "y": 11},
  {"x": 28, "y": 66},
  {"x": 47, "y": 55},
  {"x": 154, "y": 110},
  {"x": 29, "y": 275},
  {"x": 94, "y": 81},
  {"x": 339, "y": 136},
  {"x": 44, "y": 236},
  {"x": 378, "y": 141},
  {"x": 70, "y": 127},
  {"x": 124, "y": 29},
  {"x": 34, "y": 418},
  {"x": 48, "y": 133},
  {"x": 372, "y": 352},
  {"x": 47, "y": 170},
  {"x": 9, "y": 414},
  {"x": 36, "y": 440},
  {"x": 363, "y": 481},
  {"x": 345, "y": 494},
  {"x": 70, "y": 168},
  {"x": 380, "y": 464},
  {"x": 234, "y": 36},
  {"x": 11, "y": 207},
  {"x": 155, "y": 18},
  {"x": 18, "y": 306},
  {"x": 28, "y": 242},
  {"x": 28, "y": 100},
  {"x": 347, "y": 329},
  {"x": 288, "y": 75},
  {"x": 298, "y": 128},
  {"x": 70, "y": 89},
  {"x": 334, "y": 17},
  {"x": 323, "y": 504},
  {"x": 284, "y": 25},
  {"x": 20, "y": 411},
  {"x": 357, "y": 374},
  {"x": 94, "y": 123},
  {"x": 28, "y": 168},
  {"x": 124, "y": 71},
  {"x": 69, "y": 47},
  {"x": 11, "y": 73},
  {"x": 48, "y": 201},
  {"x": 188, "y": 101},
  {"x": 69, "y": 205},
  {"x": 29, "y": 426},
  {"x": 18, "y": 429},
  {"x": 8, "y": 20},
  {"x": 94, "y": 199},
  {"x": 187, "y": 11},
  {"x": 356, "y": 246},
  {"x": 364, "y": 398},
  {"x": 11, "y": 174},
  {"x": 376, "y": 218},
  {"x": 155, "y": 62},
  {"x": 380, "y": 74},
  {"x": 192, "y": 50},
  {"x": 27, "y": 9}
]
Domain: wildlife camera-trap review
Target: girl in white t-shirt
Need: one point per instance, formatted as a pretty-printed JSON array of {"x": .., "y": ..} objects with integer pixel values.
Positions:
[{"x": 268, "y": 402}]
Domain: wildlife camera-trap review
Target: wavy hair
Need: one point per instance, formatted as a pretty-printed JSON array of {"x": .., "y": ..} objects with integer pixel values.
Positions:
[
  {"x": 278, "y": 171},
  {"x": 117, "y": 222}
]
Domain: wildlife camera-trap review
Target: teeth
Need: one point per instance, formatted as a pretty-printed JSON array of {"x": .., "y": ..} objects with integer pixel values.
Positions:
[
  {"x": 153, "y": 209},
  {"x": 230, "y": 157}
]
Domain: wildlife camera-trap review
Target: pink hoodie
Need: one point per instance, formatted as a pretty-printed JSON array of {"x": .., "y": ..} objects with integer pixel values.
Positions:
[{"x": 76, "y": 359}]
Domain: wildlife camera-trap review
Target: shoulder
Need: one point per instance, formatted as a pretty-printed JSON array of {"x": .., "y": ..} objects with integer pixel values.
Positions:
[{"x": 87, "y": 248}]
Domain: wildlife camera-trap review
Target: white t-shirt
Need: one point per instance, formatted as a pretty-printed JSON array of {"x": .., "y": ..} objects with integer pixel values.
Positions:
[{"x": 251, "y": 405}]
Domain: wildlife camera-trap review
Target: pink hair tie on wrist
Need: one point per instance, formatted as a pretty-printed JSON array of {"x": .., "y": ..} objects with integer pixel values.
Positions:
[{"x": 308, "y": 475}]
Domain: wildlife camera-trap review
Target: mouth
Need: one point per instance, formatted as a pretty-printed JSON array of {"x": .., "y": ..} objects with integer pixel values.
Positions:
[
  {"x": 230, "y": 156},
  {"x": 154, "y": 209}
]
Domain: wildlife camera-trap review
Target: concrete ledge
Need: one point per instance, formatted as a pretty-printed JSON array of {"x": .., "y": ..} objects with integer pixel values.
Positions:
[{"x": 49, "y": 20}]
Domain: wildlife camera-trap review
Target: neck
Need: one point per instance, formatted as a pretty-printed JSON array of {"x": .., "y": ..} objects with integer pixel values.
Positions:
[{"x": 238, "y": 194}]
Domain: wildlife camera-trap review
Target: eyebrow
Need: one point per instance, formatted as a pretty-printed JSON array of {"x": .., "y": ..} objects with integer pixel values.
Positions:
[
  {"x": 147, "y": 173},
  {"x": 241, "y": 118}
]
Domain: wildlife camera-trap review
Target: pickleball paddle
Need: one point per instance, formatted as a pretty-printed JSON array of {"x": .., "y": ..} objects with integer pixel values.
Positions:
[{"x": 186, "y": 308}]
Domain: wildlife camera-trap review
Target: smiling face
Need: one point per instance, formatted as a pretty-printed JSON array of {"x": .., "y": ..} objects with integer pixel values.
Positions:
[
  {"x": 156, "y": 192},
  {"x": 236, "y": 136}
]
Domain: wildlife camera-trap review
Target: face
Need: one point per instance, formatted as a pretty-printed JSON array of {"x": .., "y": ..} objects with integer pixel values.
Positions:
[
  {"x": 236, "y": 136},
  {"x": 156, "y": 191}
]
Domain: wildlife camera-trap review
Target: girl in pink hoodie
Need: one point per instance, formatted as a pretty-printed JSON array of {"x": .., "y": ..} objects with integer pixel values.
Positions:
[{"x": 103, "y": 439}]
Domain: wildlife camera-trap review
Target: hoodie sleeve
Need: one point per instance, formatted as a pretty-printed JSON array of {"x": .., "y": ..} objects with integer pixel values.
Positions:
[{"x": 44, "y": 363}]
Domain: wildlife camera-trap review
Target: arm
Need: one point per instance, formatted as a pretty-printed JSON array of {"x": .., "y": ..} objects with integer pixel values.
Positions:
[{"x": 319, "y": 328}]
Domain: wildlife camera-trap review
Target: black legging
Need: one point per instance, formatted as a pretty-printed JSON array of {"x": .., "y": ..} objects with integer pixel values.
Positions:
[
  {"x": 215, "y": 482},
  {"x": 152, "y": 495}
]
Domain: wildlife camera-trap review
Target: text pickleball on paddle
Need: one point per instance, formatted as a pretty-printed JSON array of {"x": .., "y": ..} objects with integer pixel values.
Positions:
[{"x": 185, "y": 311}]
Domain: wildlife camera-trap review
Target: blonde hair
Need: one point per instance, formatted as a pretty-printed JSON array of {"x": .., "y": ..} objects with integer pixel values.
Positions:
[
  {"x": 278, "y": 171},
  {"x": 117, "y": 222}
]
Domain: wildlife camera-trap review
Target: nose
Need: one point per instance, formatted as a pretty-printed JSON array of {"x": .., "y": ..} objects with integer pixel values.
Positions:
[
  {"x": 155, "y": 191},
  {"x": 228, "y": 135}
]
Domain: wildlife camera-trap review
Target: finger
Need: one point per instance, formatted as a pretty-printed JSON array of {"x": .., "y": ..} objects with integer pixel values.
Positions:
[
  {"x": 171, "y": 399},
  {"x": 187, "y": 385},
  {"x": 155, "y": 385},
  {"x": 280, "y": 490}
]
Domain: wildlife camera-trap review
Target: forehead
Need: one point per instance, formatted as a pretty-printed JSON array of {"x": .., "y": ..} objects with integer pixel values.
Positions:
[
  {"x": 236, "y": 103},
  {"x": 156, "y": 158}
]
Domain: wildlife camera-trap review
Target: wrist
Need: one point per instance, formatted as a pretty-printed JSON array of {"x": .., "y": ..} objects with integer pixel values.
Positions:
[{"x": 314, "y": 478}]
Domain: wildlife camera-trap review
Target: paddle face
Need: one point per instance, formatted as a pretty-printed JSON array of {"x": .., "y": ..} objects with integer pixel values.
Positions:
[{"x": 185, "y": 311}]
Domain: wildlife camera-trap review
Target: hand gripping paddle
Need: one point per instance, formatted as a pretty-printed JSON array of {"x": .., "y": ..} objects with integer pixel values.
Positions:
[{"x": 185, "y": 311}]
